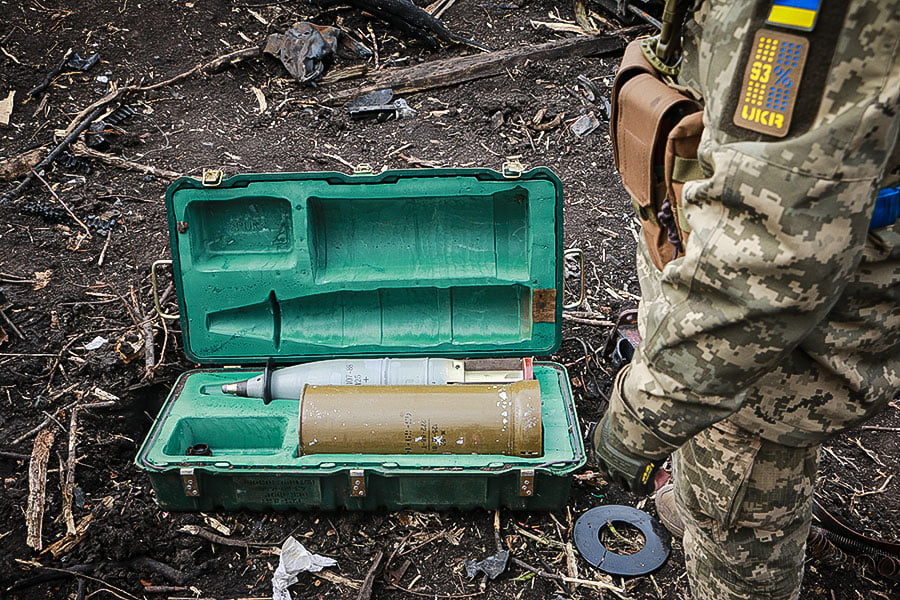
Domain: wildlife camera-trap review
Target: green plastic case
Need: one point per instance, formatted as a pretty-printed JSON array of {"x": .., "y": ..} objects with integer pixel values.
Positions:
[{"x": 292, "y": 267}]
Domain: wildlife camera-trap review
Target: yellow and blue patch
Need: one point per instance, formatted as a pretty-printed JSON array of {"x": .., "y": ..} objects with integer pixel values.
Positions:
[
  {"x": 794, "y": 14},
  {"x": 771, "y": 82}
]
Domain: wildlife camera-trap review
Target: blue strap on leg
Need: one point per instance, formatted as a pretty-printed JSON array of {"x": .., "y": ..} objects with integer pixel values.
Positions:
[{"x": 887, "y": 208}]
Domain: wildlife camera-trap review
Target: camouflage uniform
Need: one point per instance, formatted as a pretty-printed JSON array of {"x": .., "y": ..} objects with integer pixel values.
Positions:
[{"x": 780, "y": 325}]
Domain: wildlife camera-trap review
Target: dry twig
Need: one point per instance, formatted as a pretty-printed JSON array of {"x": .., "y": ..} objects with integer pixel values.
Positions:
[
  {"x": 68, "y": 487},
  {"x": 47, "y": 421},
  {"x": 90, "y": 114},
  {"x": 87, "y": 232},
  {"x": 591, "y": 322},
  {"x": 571, "y": 565},
  {"x": 81, "y": 149},
  {"x": 365, "y": 592},
  {"x": 596, "y": 584},
  {"x": 335, "y": 578},
  {"x": 215, "y": 538}
]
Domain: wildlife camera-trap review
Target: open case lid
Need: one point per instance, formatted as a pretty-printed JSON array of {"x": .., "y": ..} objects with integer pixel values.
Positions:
[{"x": 300, "y": 266}]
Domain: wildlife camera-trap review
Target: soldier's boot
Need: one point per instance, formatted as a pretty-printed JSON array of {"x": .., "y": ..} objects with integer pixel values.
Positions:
[{"x": 665, "y": 508}]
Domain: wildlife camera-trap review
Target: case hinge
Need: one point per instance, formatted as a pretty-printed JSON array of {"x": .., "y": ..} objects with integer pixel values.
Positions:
[
  {"x": 189, "y": 482},
  {"x": 357, "y": 483},
  {"x": 212, "y": 177},
  {"x": 526, "y": 482}
]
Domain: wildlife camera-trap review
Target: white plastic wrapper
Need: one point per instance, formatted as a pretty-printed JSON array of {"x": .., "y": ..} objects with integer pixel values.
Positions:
[
  {"x": 97, "y": 342},
  {"x": 295, "y": 559}
]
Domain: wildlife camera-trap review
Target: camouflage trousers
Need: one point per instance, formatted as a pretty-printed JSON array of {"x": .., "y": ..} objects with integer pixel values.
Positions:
[
  {"x": 780, "y": 325},
  {"x": 746, "y": 505}
]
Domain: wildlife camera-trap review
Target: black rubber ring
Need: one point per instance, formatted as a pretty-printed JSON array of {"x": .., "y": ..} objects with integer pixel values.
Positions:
[
  {"x": 267, "y": 381},
  {"x": 646, "y": 560}
]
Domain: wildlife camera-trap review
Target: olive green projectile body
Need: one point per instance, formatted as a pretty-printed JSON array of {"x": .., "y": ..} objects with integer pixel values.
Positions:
[{"x": 422, "y": 419}]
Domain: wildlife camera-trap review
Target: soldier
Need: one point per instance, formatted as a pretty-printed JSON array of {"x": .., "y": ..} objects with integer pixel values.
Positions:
[{"x": 779, "y": 326}]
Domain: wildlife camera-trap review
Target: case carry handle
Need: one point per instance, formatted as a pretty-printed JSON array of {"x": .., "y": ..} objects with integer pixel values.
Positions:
[
  {"x": 581, "y": 294},
  {"x": 154, "y": 283}
]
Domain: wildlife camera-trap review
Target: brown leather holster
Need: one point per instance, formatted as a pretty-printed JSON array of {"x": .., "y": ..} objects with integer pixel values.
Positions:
[{"x": 655, "y": 132}]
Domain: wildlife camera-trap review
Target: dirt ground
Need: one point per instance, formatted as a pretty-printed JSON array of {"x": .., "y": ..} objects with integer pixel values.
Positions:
[{"x": 60, "y": 291}]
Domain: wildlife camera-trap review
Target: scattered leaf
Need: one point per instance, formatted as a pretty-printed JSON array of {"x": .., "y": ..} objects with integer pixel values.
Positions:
[{"x": 42, "y": 279}]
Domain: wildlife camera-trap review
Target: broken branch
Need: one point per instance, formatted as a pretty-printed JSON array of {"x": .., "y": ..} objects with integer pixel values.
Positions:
[
  {"x": 14, "y": 193},
  {"x": 408, "y": 18},
  {"x": 216, "y": 63},
  {"x": 453, "y": 71}
]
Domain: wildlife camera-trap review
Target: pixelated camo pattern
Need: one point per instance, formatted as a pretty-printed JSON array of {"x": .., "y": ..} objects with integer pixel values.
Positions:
[
  {"x": 746, "y": 505},
  {"x": 785, "y": 309},
  {"x": 781, "y": 323}
]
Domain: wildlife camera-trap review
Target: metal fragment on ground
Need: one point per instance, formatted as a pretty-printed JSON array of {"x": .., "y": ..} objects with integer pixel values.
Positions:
[
  {"x": 374, "y": 98},
  {"x": 378, "y": 103},
  {"x": 82, "y": 64},
  {"x": 492, "y": 566},
  {"x": 585, "y": 125},
  {"x": 304, "y": 49},
  {"x": 590, "y": 88}
]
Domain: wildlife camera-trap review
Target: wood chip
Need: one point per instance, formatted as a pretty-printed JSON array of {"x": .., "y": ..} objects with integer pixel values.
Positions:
[
  {"x": 37, "y": 487},
  {"x": 20, "y": 166},
  {"x": 6, "y": 107},
  {"x": 571, "y": 565},
  {"x": 69, "y": 541},
  {"x": 260, "y": 98},
  {"x": 335, "y": 578}
]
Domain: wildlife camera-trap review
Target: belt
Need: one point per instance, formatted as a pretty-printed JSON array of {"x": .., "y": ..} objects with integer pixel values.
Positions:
[{"x": 887, "y": 208}]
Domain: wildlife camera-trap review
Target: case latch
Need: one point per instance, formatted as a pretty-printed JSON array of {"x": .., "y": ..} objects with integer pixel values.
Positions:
[
  {"x": 357, "y": 483},
  {"x": 212, "y": 177},
  {"x": 526, "y": 482},
  {"x": 512, "y": 168},
  {"x": 189, "y": 482}
]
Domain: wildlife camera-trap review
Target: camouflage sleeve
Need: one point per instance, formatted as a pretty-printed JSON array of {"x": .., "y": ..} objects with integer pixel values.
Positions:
[{"x": 777, "y": 226}]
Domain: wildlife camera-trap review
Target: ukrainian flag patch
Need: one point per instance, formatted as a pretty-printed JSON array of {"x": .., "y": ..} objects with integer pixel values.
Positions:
[
  {"x": 794, "y": 14},
  {"x": 771, "y": 82}
]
